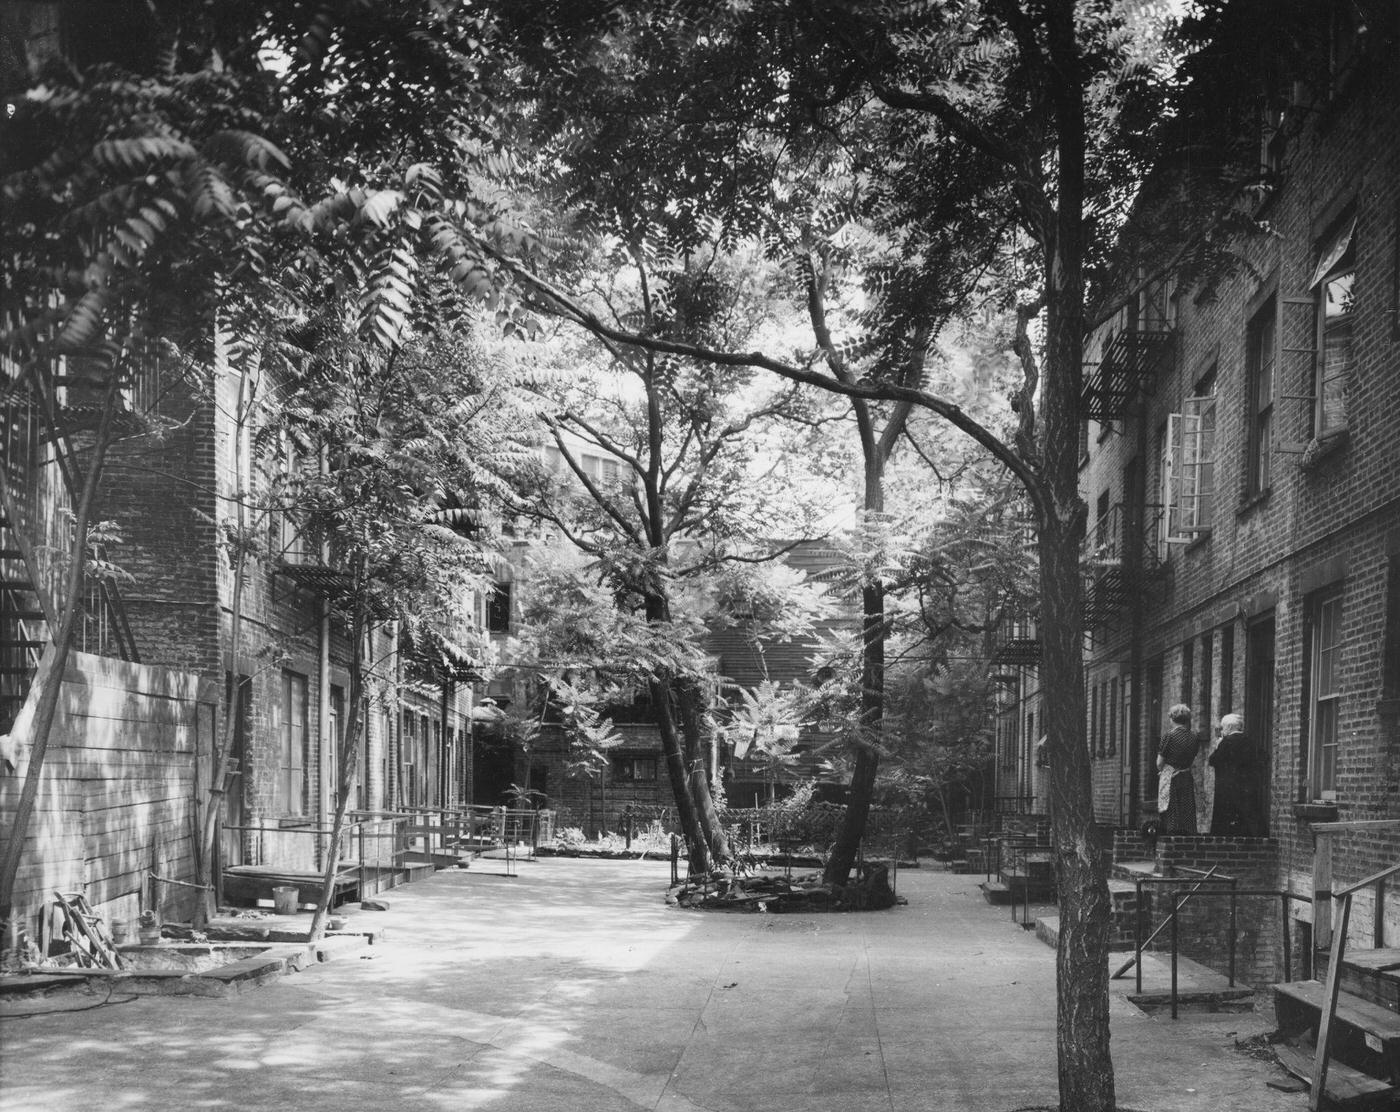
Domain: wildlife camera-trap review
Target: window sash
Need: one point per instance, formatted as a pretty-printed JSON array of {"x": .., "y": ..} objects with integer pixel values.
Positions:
[
  {"x": 1325, "y": 692},
  {"x": 1260, "y": 358},
  {"x": 1335, "y": 352},
  {"x": 293, "y": 740}
]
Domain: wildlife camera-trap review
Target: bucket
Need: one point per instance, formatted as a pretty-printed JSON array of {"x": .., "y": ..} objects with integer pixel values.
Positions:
[{"x": 284, "y": 900}]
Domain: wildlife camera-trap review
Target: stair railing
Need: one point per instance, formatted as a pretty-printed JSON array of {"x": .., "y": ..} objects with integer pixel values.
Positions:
[{"x": 1341, "y": 904}]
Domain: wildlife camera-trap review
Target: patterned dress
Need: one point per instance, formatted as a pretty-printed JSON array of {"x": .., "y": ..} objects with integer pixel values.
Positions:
[{"x": 1179, "y": 749}]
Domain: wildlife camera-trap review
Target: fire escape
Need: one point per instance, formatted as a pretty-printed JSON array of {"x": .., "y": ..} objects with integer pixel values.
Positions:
[
  {"x": 1121, "y": 562},
  {"x": 49, "y": 411}
]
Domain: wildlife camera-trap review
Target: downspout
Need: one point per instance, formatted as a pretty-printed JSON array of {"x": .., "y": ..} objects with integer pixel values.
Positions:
[
  {"x": 395, "y": 732},
  {"x": 330, "y": 768},
  {"x": 1138, "y": 497}
]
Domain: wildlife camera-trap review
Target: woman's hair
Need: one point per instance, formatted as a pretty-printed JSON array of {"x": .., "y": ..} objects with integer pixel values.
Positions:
[
  {"x": 1231, "y": 724},
  {"x": 1181, "y": 713}
]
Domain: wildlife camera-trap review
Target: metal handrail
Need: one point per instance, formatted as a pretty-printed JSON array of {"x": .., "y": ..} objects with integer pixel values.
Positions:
[{"x": 1235, "y": 893}]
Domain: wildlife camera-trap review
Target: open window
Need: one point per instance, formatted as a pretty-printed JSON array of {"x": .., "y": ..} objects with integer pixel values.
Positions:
[
  {"x": 1333, "y": 285},
  {"x": 1189, "y": 467}
]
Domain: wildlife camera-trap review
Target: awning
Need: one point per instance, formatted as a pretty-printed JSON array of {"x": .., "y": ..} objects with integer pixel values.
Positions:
[{"x": 1333, "y": 251}]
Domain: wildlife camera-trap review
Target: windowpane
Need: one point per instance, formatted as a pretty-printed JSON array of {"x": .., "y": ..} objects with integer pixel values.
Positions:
[
  {"x": 293, "y": 740},
  {"x": 1261, "y": 343},
  {"x": 1336, "y": 352},
  {"x": 1325, "y": 615}
]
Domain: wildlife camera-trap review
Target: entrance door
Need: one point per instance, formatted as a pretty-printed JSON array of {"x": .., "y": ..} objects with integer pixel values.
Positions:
[{"x": 1259, "y": 694}]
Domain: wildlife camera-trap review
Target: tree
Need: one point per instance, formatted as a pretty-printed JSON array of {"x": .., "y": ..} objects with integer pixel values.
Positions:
[
  {"x": 149, "y": 200},
  {"x": 1053, "y": 100},
  {"x": 409, "y": 440}
]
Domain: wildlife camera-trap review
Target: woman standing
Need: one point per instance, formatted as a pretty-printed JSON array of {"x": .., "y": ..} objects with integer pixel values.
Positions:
[
  {"x": 1176, "y": 791},
  {"x": 1239, "y": 802}
]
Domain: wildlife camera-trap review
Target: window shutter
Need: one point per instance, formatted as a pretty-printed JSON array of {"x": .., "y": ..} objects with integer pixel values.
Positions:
[
  {"x": 1196, "y": 463},
  {"x": 1172, "y": 473}
]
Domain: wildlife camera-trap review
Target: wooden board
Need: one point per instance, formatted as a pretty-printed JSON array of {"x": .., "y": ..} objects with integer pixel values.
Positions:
[{"x": 1343, "y": 1083}]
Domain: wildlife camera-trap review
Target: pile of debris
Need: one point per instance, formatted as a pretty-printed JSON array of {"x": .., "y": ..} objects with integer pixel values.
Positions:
[{"x": 782, "y": 893}]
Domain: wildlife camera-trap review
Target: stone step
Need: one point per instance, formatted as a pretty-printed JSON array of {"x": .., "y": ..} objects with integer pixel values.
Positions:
[{"x": 1132, "y": 870}]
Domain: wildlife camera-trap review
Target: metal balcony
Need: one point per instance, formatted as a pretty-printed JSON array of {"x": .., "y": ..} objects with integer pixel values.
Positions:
[
  {"x": 1120, "y": 560},
  {"x": 1017, "y": 645},
  {"x": 1130, "y": 363}
]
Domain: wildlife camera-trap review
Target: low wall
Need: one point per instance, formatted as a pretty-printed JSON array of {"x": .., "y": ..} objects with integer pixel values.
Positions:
[{"x": 117, "y": 795}]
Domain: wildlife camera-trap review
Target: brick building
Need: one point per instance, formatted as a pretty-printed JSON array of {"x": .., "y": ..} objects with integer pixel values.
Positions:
[
  {"x": 635, "y": 779},
  {"x": 1239, "y": 466}
]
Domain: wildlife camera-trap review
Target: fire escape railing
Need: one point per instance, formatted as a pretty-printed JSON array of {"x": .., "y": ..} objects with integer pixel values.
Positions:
[
  {"x": 1130, "y": 363},
  {"x": 1120, "y": 559}
]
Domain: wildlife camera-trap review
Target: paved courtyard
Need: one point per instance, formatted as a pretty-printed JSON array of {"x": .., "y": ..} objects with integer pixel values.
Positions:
[{"x": 573, "y": 987}]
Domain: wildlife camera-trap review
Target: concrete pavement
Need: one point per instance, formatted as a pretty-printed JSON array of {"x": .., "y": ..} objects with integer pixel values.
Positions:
[{"x": 574, "y": 988}]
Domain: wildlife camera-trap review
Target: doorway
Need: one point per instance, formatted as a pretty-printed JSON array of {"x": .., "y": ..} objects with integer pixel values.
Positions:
[{"x": 1259, "y": 695}]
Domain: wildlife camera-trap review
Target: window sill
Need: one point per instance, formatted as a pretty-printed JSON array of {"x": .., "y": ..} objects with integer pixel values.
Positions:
[
  {"x": 1252, "y": 502},
  {"x": 1317, "y": 811},
  {"x": 1322, "y": 448}
]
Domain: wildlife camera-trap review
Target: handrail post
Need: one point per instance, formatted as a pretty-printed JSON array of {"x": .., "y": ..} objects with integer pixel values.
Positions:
[
  {"x": 1234, "y": 911},
  {"x": 1322, "y": 891},
  {"x": 1175, "y": 908},
  {"x": 1137, "y": 931}
]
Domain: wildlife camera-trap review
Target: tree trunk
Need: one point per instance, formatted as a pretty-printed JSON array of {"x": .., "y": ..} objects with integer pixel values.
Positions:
[
  {"x": 1082, "y": 1031},
  {"x": 697, "y": 845},
  {"x": 872, "y": 709},
  {"x": 688, "y": 700},
  {"x": 348, "y": 762}
]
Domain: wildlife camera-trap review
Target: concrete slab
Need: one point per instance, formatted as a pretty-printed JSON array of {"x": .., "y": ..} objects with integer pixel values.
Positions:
[{"x": 573, "y": 987}]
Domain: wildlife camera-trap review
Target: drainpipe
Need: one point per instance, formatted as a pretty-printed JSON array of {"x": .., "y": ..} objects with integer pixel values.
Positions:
[
  {"x": 329, "y": 765},
  {"x": 329, "y": 762},
  {"x": 1137, "y": 621}
]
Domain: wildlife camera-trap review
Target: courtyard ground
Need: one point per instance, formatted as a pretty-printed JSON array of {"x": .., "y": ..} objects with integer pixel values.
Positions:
[{"x": 574, "y": 988}]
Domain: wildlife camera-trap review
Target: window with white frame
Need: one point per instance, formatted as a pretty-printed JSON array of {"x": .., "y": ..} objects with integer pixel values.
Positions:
[
  {"x": 1333, "y": 282},
  {"x": 1189, "y": 465},
  {"x": 1324, "y": 645}
]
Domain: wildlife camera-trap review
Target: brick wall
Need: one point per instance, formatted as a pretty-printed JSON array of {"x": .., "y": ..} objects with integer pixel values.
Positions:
[{"x": 1204, "y": 928}]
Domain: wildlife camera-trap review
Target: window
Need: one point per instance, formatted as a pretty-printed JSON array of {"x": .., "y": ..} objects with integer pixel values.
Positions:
[
  {"x": 288, "y": 542},
  {"x": 1188, "y": 673},
  {"x": 1190, "y": 464},
  {"x": 1227, "y": 670},
  {"x": 293, "y": 745},
  {"x": 1095, "y": 723},
  {"x": 1324, "y": 615},
  {"x": 1333, "y": 281},
  {"x": 1115, "y": 715},
  {"x": 1207, "y": 679},
  {"x": 629, "y": 769},
  {"x": 498, "y": 609},
  {"x": 1261, "y": 342}
]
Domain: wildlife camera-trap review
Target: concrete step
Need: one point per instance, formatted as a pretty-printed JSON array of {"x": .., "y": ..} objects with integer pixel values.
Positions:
[{"x": 1132, "y": 870}]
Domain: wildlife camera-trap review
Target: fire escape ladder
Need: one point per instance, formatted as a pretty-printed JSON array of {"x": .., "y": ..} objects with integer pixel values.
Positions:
[{"x": 106, "y": 629}]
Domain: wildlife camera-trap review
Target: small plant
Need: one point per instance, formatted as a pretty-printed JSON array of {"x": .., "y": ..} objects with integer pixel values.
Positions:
[{"x": 148, "y": 919}]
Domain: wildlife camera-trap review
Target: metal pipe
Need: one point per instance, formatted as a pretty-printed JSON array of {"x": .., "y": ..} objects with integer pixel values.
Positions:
[
  {"x": 1175, "y": 941},
  {"x": 1234, "y": 912},
  {"x": 1137, "y": 934}
]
